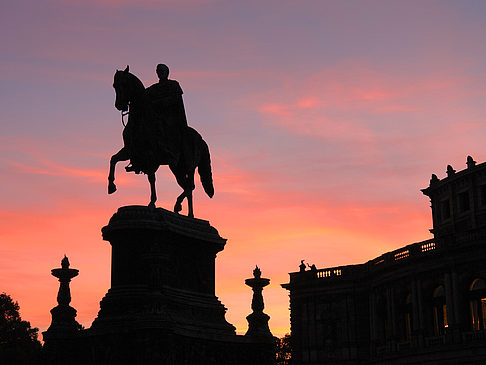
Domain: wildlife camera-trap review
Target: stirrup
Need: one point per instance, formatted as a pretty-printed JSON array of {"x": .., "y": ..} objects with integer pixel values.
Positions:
[{"x": 130, "y": 168}]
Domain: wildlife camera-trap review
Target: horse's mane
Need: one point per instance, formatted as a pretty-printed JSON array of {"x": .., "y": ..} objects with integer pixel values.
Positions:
[{"x": 134, "y": 80}]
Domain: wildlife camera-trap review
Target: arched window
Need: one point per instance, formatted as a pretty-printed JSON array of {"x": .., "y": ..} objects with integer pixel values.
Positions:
[
  {"x": 440, "y": 311},
  {"x": 405, "y": 317},
  {"x": 477, "y": 304}
]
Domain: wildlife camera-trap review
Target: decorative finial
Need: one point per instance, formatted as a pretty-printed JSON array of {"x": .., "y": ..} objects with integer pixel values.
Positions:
[
  {"x": 257, "y": 273},
  {"x": 450, "y": 171},
  {"x": 470, "y": 162},
  {"x": 434, "y": 179},
  {"x": 65, "y": 262}
]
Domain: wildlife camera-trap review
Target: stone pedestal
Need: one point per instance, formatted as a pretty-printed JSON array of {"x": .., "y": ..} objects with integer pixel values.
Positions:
[{"x": 162, "y": 274}]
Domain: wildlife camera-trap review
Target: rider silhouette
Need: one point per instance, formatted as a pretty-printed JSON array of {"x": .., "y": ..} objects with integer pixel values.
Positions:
[{"x": 166, "y": 98}]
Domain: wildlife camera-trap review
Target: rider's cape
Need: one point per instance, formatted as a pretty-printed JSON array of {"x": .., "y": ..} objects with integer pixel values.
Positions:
[
  {"x": 168, "y": 106},
  {"x": 154, "y": 135}
]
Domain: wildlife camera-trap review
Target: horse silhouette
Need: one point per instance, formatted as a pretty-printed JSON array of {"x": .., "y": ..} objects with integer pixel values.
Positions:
[{"x": 144, "y": 146}]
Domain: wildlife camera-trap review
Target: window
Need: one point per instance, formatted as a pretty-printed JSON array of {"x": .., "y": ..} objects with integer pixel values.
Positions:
[
  {"x": 445, "y": 209},
  {"x": 440, "y": 311},
  {"x": 464, "y": 201},
  {"x": 477, "y": 304},
  {"x": 482, "y": 194}
]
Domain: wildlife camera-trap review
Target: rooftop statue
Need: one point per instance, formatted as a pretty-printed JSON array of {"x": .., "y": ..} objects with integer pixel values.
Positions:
[{"x": 157, "y": 134}]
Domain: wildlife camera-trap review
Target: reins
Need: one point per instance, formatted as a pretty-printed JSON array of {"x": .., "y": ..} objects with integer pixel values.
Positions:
[{"x": 122, "y": 115}]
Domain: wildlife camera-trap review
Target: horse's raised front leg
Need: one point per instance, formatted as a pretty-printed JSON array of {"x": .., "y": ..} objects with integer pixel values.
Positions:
[
  {"x": 121, "y": 155},
  {"x": 153, "y": 194}
]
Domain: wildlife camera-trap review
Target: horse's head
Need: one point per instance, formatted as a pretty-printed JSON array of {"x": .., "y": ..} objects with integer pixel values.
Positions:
[
  {"x": 121, "y": 85},
  {"x": 128, "y": 89}
]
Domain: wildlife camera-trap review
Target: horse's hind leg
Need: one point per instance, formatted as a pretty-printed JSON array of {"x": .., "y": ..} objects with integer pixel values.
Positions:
[
  {"x": 188, "y": 185},
  {"x": 188, "y": 191},
  {"x": 178, "y": 204},
  {"x": 190, "y": 210},
  {"x": 121, "y": 155},
  {"x": 153, "y": 194}
]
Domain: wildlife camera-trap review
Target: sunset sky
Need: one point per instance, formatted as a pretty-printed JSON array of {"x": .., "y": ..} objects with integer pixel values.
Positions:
[{"x": 324, "y": 119}]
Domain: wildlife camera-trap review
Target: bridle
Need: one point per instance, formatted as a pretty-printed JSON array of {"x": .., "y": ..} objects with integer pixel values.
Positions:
[{"x": 123, "y": 114}]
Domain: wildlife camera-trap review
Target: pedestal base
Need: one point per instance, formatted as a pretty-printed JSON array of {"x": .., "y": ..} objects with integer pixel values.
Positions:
[{"x": 258, "y": 325}]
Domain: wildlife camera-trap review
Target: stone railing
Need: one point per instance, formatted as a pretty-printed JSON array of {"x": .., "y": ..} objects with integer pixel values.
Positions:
[
  {"x": 435, "y": 341},
  {"x": 401, "y": 255},
  {"x": 326, "y": 273},
  {"x": 474, "y": 336}
]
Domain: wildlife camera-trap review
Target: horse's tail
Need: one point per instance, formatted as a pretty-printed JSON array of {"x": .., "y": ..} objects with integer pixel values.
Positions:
[{"x": 204, "y": 169}]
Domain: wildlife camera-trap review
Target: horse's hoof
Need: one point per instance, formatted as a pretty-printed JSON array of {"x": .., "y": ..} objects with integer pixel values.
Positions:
[
  {"x": 111, "y": 188},
  {"x": 177, "y": 208},
  {"x": 151, "y": 205}
]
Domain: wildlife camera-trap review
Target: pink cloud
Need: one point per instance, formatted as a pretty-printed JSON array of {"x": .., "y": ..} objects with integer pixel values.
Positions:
[
  {"x": 308, "y": 102},
  {"x": 138, "y": 3},
  {"x": 342, "y": 101}
]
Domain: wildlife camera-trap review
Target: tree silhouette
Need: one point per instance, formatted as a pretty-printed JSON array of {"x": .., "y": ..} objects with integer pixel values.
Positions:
[
  {"x": 18, "y": 341},
  {"x": 283, "y": 350}
]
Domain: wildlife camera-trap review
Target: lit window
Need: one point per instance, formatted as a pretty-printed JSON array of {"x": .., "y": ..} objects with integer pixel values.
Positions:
[
  {"x": 477, "y": 304},
  {"x": 440, "y": 311}
]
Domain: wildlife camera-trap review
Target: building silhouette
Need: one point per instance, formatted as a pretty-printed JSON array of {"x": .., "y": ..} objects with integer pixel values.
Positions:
[{"x": 424, "y": 303}]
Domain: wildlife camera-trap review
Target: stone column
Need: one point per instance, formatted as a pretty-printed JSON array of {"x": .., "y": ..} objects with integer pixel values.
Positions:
[
  {"x": 393, "y": 314},
  {"x": 257, "y": 321},
  {"x": 62, "y": 340},
  {"x": 420, "y": 312},
  {"x": 63, "y": 315},
  {"x": 391, "y": 328},
  {"x": 372, "y": 301},
  {"x": 457, "y": 302},
  {"x": 415, "y": 312},
  {"x": 451, "y": 320}
]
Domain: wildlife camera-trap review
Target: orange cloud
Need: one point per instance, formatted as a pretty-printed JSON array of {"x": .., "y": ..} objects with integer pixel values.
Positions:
[{"x": 54, "y": 169}]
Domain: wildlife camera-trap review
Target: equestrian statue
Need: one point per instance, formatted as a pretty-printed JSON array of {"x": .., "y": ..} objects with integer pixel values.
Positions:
[{"x": 157, "y": 133}]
